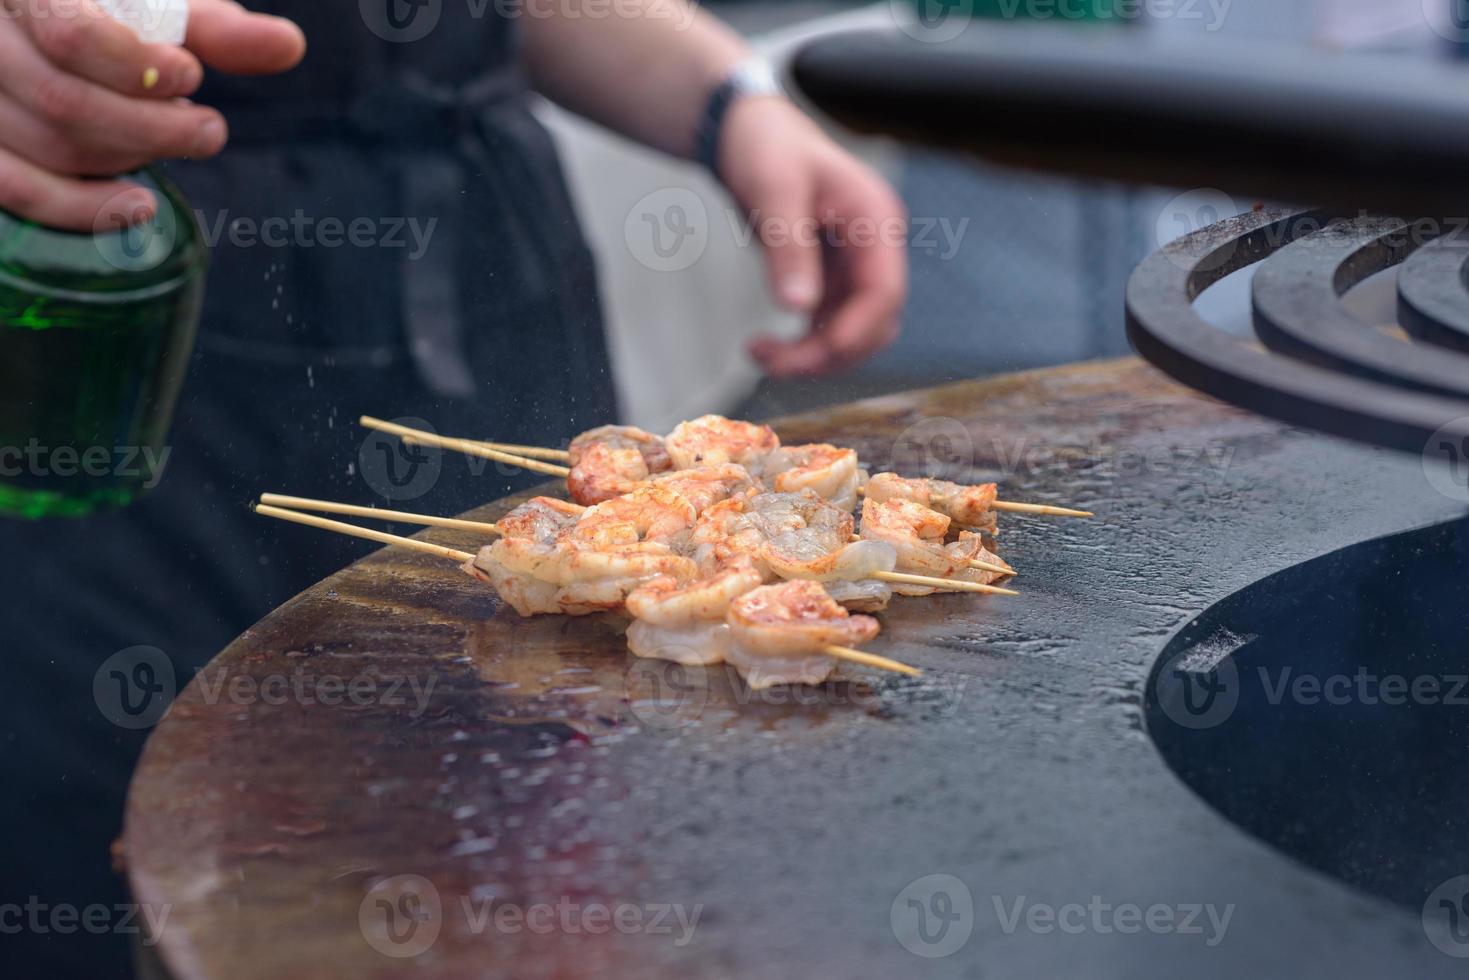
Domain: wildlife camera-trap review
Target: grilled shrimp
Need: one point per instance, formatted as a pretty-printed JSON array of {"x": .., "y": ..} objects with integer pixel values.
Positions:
[
  {"x": 832, "y": 472},
  {"x": 706, "y": 486},
  {"x": 613, "y": 460},
  {"x": 650, "y": 513},
  {"x": 685, "y": 623},
  {"x": 624, "y": 437},
  {"x": 714, "y": 439},
  {"x": 918, "y": 533},
  {"x": 540, "y": 519},
  {"x": 969, "y": 507},
  {"x": 778, "y": 632}
]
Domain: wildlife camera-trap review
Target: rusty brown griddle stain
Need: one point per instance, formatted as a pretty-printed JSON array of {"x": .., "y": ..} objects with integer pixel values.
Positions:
[{"x": 512, "y": 764}]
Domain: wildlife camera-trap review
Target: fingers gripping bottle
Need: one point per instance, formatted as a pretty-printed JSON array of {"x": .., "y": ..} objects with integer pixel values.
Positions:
[{"x": 96, "y": 331}]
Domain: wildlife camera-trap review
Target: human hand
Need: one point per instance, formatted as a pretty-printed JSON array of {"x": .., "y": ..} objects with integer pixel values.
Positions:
[
  {"x": 81, "y": 97},
  {"x": 834, "y": 234}
]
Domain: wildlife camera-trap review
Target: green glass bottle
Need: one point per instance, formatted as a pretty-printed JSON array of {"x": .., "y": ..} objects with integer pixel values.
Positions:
[{"x": 96, "y": 332}]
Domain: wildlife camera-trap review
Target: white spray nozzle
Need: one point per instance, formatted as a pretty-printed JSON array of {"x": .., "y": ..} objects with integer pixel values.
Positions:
[{"x": 164, "y": 21}]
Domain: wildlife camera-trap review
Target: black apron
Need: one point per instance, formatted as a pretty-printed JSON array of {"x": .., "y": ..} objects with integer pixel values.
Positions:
[{"x": 484, "y": 321}]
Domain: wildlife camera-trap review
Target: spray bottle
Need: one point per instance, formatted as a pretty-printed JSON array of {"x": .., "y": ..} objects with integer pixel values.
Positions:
[{"x": 96, "y": 332}]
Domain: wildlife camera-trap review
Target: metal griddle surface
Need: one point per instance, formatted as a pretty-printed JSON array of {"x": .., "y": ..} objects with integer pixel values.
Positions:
[{"x": 1019, "y": 763}]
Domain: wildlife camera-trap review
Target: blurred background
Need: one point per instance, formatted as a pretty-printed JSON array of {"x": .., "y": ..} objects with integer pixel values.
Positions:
[{"x": 1010, "y": 270}]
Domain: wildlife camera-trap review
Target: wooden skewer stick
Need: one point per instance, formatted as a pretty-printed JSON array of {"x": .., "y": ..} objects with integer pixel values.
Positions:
[
  {"x": 946, "y": 584},
  {"x": 529, "y": 452},
  {"x": 466, "y": 446},
  {"x": 352, "y": 530},
  {"x": 1044, "y": 510},
  {"x": 870, "y": 660},
  {"x": 352, "y": 510}
]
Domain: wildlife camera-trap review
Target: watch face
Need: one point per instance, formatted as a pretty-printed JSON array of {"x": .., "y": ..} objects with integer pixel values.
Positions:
[{"x": 756, "y": 77}]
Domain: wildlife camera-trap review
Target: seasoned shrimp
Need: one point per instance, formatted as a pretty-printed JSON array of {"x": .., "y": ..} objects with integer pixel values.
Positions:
[
  {"x": 538, "y": 577},
  {"x": 706, "y": 486},
  {"x": 832, "y": 472},
  {"x": 613, "y": 460},
  {"x": 685, "y": 623},
  {"x": 778, "y": 634},
  {"x": 724, "y": 534},
  {"x": 969, "y": 507},
  {"x": 650, "y": 513},
  {"x": 540, "y": 519},
  {"x": 714, "y": 439},
  {"x": 917, "y": 533},
  {"x": 624, "y": 437}
]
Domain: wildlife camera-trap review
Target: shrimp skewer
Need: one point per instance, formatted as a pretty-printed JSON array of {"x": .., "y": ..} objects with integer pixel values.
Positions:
[
  {"x": 686, "y": 623},
  {"x": 790, "y": 634},
  {"x": 918, "y": 535},
  {"x": 755, "y": 624}
]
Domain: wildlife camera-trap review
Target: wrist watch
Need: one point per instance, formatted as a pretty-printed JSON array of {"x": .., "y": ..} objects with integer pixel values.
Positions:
[{"x": 753, "y": 76}]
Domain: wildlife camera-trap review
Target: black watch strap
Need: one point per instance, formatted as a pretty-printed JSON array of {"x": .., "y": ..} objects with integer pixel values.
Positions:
[{"x": 752, "y": 77}]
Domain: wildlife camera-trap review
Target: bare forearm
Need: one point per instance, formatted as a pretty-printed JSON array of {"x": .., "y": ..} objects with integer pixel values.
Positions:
[{"x": 645, "y": 68}]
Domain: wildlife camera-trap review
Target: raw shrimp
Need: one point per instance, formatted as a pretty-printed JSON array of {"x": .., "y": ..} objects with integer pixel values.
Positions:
[
  {"x": 778, "y": 632},
  {"x": 832, "y": 472},
  {"x": 613, "y": 460},
  {"x": 917, "y": 533},
  {"x": 713, "y": 439},
  {"x": 969, "y": 507},
  {"x": 685, "y": 623}
]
